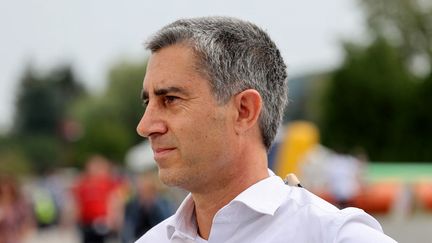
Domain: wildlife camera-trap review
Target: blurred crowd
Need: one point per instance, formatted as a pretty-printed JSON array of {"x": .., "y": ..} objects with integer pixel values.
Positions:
[
  {"x": 103, "y": 203},
  {"x": 106, "y": 203}
]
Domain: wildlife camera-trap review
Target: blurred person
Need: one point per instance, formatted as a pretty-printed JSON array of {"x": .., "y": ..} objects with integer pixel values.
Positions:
[
  {"x": 15, "y": 212},
  {"x": 45, "y": 208},
  {"x": 336, "y": 177},
  {"x": 344, "y": 178},
  {"x": 94, "y": 194},
  {"x": 48, "y": 199},
  {"x": 215, "y": 89},
  {"x": 52, "y": 198},
  {"x": 146, "y": 209},
  {"x": 313, "y": 167}
]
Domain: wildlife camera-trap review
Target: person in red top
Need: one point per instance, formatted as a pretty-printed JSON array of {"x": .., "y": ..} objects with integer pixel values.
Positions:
[
  {"x": 15, "y": 212},
  {"x": 93, "y": 193}
]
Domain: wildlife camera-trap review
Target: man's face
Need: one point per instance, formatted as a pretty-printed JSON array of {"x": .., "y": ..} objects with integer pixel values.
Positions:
[{"x": 190, "y": 134}]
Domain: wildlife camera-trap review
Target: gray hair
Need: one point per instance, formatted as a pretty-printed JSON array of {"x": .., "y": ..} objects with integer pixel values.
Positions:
[{"x": 234, "y": 55}]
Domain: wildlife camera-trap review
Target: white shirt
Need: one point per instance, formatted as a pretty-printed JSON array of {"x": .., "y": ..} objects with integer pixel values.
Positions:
[{"x": 271, "y": 212}]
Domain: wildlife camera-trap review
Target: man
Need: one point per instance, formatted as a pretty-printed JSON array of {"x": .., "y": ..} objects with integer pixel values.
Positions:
[
  {"x": 94, "y": 193},
  {"x": 215, "y": 90},
  {"x": 146, "y": 209}
]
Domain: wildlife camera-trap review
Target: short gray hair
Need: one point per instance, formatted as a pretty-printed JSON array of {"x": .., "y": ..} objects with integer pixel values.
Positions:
[{"x": 234, "y": 55}]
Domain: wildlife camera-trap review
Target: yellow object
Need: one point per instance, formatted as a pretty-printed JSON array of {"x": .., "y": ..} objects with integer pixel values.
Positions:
[{"x": 299, "y": 138}]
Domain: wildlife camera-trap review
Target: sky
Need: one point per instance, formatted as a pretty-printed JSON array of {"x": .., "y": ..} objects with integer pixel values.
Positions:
[{"x": 93, "y": 35}]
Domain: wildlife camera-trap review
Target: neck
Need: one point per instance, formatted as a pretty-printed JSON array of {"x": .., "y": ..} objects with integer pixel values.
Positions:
[{"x": 244, "y": 174}]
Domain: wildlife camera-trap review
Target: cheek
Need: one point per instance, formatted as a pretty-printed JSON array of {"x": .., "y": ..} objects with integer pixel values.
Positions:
[
  {"x": 202, "y": 133},
  {"x": 213, "y": 133}
]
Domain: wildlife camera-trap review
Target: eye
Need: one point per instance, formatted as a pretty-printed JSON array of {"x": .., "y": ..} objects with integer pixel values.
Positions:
[
  {"x": 169, "y": 99},
  {"x": 145, "y": 102}
]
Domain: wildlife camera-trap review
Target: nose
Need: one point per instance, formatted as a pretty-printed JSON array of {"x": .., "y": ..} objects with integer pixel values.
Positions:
[{"x": 151, "y": 123}]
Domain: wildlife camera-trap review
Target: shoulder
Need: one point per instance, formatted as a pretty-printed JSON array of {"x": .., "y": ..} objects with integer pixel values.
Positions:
[
  {"x": 329, "y": 223},
  {"x": 308, "y": 204},
  {"x": 156, "y": 234},
  {"x": 300, "y": 199}
]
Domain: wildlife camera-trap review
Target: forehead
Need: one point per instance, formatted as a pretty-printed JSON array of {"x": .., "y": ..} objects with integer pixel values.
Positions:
[{"x": 176, "y": 64}]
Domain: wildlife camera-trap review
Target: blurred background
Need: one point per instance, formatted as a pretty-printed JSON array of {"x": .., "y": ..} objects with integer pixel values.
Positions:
[{"x": 357, "y": 130}]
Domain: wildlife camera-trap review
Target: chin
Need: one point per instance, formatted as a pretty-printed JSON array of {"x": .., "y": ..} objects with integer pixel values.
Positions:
[{"x": 171, "y": 178}]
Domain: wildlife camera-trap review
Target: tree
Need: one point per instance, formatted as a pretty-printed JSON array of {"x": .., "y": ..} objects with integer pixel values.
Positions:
[
  {"x": 377, "y": 98},
  {"x": 123, "y": 94},
  {"x": 43, "y": 102},
  {"x": 109, "y": 121},
  {"x": 366, "y": 100},
  {"x": 42, "y": 106},
  {"x": 407, "y": 25}
]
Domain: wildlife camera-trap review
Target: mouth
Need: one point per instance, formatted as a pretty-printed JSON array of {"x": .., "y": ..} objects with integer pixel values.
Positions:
[{"x": 160, "y": 153}]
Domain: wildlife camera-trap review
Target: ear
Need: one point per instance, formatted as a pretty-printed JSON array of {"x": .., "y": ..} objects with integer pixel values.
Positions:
[{"x": 248, "y": 104}]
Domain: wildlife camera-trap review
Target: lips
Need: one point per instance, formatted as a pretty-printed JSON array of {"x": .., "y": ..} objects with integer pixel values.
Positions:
[{"x": 160, "y": 153}]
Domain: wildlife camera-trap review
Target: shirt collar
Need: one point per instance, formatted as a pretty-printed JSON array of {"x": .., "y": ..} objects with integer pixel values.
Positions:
[
  {"x": 183, "y": 222},
  {"x": 265, "y": 197}
]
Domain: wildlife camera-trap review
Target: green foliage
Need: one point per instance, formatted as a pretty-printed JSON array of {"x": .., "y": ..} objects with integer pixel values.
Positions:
[
  {"x": 57, "y": 123},
  {"x": 367, "y": 100},
  {"x": 407, "y": 24},
  {"x": 377, "y": 100},
  {"x": 43, "y": 151},
  {"x": 12, "y": 159},
  {"x": 109, "y": 121},
  {"x": 110, "y": 138},
  {"x": 43, "y": 101},
  {"x": 37, "y": 111},
  {"x": 420, "y": 123},
  {"x": 124, "y": 92},
  {"x": 42, "y": 105}
]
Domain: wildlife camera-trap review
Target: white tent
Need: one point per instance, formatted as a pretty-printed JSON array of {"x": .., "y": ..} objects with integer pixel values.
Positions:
[{"x": 140, "y": 158}]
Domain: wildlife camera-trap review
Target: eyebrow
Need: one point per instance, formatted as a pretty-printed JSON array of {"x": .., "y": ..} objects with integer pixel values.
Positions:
[{"x": 164, "y": 91}]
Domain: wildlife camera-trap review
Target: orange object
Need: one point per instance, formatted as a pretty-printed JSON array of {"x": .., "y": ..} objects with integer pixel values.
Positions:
[
  {"x": 423, "y": 193},
  {"x": 378, "y": 197}
]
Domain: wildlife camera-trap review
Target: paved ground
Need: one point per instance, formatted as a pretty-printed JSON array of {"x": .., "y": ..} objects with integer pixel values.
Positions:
[
  {"x": 54, "y": 235},
  {"x": 414, "y": 228}
]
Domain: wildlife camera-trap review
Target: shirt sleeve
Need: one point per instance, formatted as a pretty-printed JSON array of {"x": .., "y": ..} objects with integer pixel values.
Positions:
[{"x": 361, "y": 228}]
